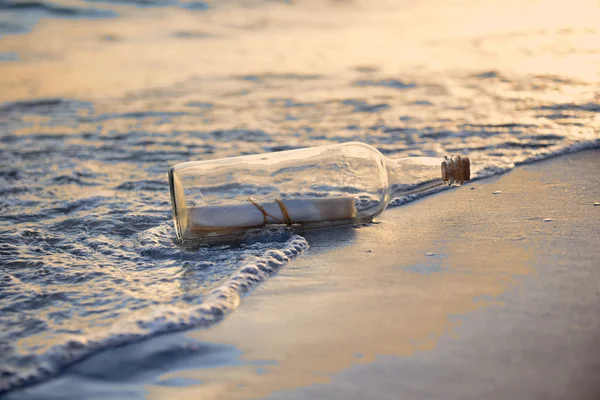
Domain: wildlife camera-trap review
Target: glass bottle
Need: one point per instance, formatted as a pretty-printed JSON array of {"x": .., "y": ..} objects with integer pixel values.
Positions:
[{"x": 313, "y": 187}]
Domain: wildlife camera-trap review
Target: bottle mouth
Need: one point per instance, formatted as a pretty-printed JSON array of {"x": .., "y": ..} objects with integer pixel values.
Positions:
[{"x": 456, "y": 170}]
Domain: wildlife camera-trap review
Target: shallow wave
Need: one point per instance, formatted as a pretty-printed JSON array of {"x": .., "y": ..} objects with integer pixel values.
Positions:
[
  {"x": 216, "y": 277},
  {"x": 497, "y": 168},
  {"x": 44, "y": 106},
  {"x": 18, "y": 17},
  {"x": 190, "y": 5},
  {"x": 55, "y": 9}
]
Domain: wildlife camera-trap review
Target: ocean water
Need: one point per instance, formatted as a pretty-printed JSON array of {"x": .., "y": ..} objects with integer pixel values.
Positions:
[{"x": 99, "y": 98}]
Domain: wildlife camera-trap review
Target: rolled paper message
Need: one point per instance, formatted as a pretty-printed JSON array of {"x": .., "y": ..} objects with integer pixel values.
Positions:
[{"x": 252, "y": 214}]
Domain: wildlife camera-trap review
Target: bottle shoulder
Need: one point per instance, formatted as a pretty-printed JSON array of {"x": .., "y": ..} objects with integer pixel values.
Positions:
[
  {"x": 357, "y": 149},
  {"x": 361, "y": 146}
]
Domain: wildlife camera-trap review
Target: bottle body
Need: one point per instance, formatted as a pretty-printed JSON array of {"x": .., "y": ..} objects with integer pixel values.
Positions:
[{"x": 308, "y": 188}]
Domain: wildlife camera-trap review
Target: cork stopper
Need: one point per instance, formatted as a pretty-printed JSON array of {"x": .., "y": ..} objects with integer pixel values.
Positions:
[{"x": 456, "y": 170}]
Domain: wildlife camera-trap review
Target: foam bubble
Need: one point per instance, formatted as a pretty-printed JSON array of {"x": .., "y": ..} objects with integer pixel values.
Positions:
[{"x": 261, "y": 260}]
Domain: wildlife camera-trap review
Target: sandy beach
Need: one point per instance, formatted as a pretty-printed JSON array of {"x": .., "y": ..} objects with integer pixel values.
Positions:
[{"x": 490, "y": 290}]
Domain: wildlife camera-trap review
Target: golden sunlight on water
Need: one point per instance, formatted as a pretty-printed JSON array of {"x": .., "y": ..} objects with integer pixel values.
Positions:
[{"x": 112, "y": 58}]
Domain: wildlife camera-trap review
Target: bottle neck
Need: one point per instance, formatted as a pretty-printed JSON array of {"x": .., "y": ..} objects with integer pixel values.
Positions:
[{"x": 419, "y": 175}]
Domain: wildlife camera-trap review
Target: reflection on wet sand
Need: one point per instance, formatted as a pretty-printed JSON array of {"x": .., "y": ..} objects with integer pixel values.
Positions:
[{"x": 392, "y": 289}]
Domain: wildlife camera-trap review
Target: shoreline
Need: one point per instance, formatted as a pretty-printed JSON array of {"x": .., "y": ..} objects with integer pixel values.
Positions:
[{"x": 418, "y": 290}]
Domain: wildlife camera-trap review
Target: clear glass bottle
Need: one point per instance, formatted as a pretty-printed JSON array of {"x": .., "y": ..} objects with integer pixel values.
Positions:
[{"x": 307, "y": 188}]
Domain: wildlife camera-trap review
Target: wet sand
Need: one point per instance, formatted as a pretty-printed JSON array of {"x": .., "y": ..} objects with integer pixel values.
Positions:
[{"x": 491, "y": 290}]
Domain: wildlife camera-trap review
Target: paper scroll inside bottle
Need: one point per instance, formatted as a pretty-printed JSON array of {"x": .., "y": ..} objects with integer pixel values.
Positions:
[{"x": 283, "y": 212}]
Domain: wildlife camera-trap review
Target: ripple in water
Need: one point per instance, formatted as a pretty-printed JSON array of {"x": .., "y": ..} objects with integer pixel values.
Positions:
[{"x": 73, "y": 289}]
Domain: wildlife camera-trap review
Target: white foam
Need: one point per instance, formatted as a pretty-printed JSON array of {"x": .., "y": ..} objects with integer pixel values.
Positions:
[{"x": 162, "y": 319}]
